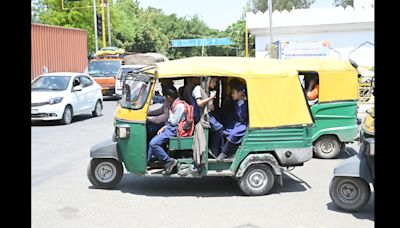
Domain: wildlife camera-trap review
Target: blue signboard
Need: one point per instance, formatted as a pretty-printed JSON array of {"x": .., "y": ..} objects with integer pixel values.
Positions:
[{"x": 201, "y": 42}]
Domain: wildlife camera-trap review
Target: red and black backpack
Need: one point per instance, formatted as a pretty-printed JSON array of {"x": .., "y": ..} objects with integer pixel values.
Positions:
[{"x": 186, "y": 125}]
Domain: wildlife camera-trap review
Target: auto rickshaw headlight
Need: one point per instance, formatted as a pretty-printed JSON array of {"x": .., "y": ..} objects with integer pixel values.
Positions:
[{"x": 123, "y": 131}]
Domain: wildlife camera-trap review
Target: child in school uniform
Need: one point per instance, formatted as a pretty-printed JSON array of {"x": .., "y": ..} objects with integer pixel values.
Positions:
[
  {"x": 236, "y": 130},
  {"x": 216, "y": 127}
]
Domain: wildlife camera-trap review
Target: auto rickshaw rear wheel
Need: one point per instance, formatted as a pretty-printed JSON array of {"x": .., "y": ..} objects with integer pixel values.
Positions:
[
  {"x": 327, "y": 146},
  {"x": 104, "y": 172},
  {"x": 257, "y": 180},
  {"x": 349, "y": 193}
]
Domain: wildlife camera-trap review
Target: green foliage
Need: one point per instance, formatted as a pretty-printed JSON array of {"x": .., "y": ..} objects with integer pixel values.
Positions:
[
  {"x": 343, "y": 3},
  {"x": 136, "y": 29},
  {"x": 280, "y": 5}
]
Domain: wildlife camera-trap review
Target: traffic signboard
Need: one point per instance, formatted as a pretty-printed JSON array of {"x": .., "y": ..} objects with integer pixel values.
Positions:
[{"x": 201, "y": 42}]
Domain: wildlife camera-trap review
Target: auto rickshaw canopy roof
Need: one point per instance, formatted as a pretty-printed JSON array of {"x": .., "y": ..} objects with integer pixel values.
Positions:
[
  {"x": 338, "y": 79},
  {"x": 274, "y": 92}
]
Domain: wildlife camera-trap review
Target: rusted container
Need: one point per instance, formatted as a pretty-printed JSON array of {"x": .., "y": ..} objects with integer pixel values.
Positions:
[{"x": 57, "y": 49}]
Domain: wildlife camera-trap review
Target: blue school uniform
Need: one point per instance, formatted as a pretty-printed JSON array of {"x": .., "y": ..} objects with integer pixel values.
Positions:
[{"x": 236, "y": 130}]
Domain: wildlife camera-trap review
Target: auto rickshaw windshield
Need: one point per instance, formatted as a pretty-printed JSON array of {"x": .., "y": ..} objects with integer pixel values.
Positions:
[{"x": 136, "y": 91}]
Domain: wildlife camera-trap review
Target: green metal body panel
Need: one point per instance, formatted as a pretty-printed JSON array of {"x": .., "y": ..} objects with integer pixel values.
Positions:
[
  {"x": 262, "y": 140},
  {"x": 219, "y": 166},
  {"x": 185, "y": 143},
  {"x": 181, "y": 143},
  {"x": 133, "y": 150},
  {"x": 337, "y": 118}
]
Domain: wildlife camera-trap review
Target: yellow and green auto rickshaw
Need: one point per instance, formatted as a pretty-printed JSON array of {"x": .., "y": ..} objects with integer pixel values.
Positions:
[
  {"x": 335, "y": 110},
  {"x": 279, "y": 133}
]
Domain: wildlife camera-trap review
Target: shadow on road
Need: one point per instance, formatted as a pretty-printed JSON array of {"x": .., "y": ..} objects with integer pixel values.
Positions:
[
  {"x": 366, "y": 212},
  {"x": 348, "y": 152},
  {"x": 76, "y": 119},
  {"x": 110, "y": 98},
  {"x": 200, "y": 187}
]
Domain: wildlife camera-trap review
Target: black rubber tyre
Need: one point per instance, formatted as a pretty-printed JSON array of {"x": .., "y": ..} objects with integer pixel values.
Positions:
[
  {"x": 67, "y": 115},
  {"x": 327, "y": 147},
  {"x": 104, "y": 172},
  {"x": 97, "y": 109},
  {"x": 257, "y": 180},
  {"x": 349, "y": 193}
]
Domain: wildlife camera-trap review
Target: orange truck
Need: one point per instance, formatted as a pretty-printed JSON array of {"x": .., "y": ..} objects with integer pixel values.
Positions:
[{"x": 104, "y": 69}]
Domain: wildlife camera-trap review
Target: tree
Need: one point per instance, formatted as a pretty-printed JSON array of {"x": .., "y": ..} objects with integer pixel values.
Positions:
[
  {"x": 236, "y": 32},
  {"x": 280, "y": 5},
  {"x": 343, "y": 3}
]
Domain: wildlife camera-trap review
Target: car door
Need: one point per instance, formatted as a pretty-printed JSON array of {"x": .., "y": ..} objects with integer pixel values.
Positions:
[
  {"x": 90, "y": 94},
  {"x": 78, "y": 97}
]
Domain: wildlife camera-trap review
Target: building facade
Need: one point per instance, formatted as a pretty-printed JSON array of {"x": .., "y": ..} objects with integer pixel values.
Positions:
[{"x": 348, "y": 33}]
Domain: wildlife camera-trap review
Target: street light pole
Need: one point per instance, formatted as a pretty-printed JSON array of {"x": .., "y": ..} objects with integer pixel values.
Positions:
[
  {"x": 108, "y": 22},
  {"x": 270, "y": 25},
  {"x": 103, "y": 26},
  {"x": 246, "y": 42},
  {"x": 95, "y": 25}
]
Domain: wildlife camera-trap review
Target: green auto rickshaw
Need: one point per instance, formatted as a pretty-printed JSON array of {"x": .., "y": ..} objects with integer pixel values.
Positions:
[
  {"x": 279, "y": 133},
  {"x": 335, "y": 110}
]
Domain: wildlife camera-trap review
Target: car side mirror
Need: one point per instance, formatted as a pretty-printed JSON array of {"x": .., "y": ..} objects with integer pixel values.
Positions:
[{"x": 78, "y": 88}]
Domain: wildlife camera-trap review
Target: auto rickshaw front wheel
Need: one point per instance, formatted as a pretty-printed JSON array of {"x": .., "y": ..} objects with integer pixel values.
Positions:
[
  {"x": 349, "y": 193},
  {"x": 327, "y": 147},
  {"x": 104, "y": 172},
  {"x": 257, "y": 180}
]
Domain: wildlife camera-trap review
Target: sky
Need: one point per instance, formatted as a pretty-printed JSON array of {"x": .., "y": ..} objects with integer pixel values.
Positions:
[{"x": 218, "y": 14}]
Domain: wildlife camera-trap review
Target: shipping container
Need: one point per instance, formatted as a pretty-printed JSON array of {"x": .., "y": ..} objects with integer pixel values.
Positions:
[{"x": 57, "y": 49}]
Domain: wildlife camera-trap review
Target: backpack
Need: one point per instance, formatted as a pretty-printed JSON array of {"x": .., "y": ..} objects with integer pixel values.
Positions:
[{"x": 185, "y": 126}]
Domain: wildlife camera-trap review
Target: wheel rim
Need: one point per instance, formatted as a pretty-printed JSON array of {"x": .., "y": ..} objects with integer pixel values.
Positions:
[
  {"x": 257, "y": 179},
  {"x": 348, "y": 191},
  {"x": 105, "y": 172},
  {"x": 327, "y": 147},
  {"x": 68, "y": 115},
  {"x": 98, "y": 108}
]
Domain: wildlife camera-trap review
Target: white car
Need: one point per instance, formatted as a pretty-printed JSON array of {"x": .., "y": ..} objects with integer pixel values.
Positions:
[
  {"x": 63, "y": 95},
  {"x": 122, "y": 72}
]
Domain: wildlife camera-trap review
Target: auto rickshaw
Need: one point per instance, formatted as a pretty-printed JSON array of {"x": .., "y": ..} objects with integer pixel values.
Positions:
[
  {"x": 278, "y": 135},
  {"x": 350, "y": 187},
  {"x": 335, "y": 110}
]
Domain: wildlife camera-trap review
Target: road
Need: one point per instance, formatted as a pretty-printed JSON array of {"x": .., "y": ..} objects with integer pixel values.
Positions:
[{"x": 62, "y": 196}]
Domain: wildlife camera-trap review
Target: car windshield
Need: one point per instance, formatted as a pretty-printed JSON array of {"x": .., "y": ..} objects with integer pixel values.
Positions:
[
  {"x": 58, "y": 83},
  {"x": 136, "y": 91},
  {"x": 103, "y": 68}
]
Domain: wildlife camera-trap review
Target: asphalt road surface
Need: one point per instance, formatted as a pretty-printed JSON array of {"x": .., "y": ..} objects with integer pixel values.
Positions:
[{"x": 62, "y": 196}]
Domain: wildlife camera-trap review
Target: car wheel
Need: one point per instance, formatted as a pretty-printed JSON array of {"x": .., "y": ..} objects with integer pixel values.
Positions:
[
  {"x": 349, "y": 193},
  {"x": 67, "y": 116},
  {"x": 327, "y": 147},
  {"x": 104, "y": 172},
  {"x": 257, "y": 180},
  {"x": 97, "y": 109}
]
